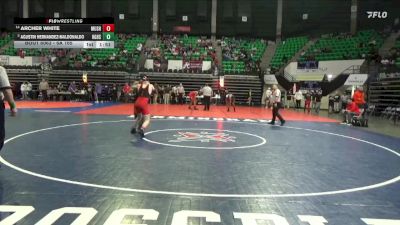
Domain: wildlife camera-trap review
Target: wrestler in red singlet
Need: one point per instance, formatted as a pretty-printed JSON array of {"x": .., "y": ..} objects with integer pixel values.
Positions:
[
  {"x": 142, "y": 107},
  {"x": 193, "y": 99}
]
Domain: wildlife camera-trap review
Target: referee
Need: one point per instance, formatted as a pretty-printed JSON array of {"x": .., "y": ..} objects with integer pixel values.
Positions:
[
  {"x": 207, "y": 93},
  {"x": 5, "y": 94},
  {"x": 276, "y": 105}
]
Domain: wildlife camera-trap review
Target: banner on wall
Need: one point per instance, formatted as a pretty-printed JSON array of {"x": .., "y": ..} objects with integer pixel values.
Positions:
[
  {"x": 194, "y": 64},
  {"x": 183, "y": 29},
  {"x": 356, "y": 79},
  {"x": 175, "y": 64},
  {"x": 15, "y": 60},
  {"x": 206, "y": 65},
  {"x": 149, "y": 64},
  {"x": 178, "y": 64},
  {"x": 18, "y": 61},
  {"x": 333, "y": 67},
  {"x": 4, "y": 60}
]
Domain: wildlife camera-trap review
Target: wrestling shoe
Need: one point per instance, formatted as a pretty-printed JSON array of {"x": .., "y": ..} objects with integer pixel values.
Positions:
[
  {"x": 141, "y": 132},
  {"x": 133, "y": 130}
]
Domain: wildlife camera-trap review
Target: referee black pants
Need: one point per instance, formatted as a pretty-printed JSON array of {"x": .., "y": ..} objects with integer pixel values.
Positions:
[
  {"x": 180, "y": 99},
  {"x": 207, "y": 101},
  {"x": 275, "y": 113}
]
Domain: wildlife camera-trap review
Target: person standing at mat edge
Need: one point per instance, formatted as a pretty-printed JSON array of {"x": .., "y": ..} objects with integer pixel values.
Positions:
[
  {"x": 207, "y": 93},
  {"x": 276, "y": 105},
  {"x": 144, "y": 91},
  {"x": 5, "y": 94}
]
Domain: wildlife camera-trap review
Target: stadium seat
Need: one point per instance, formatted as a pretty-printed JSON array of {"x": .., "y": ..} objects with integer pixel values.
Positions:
[
  {"x": 340, "y": 48},
  {"x": 286, "y": 50},
  {"x": 254, "y": 50}
]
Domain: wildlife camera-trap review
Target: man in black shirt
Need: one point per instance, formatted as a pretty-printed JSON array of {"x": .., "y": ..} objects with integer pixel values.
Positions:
[{"x": 318, "y": 96}]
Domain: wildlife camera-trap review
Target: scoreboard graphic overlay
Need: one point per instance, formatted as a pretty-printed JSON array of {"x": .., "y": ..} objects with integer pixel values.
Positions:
[{"x": 64, "y": 33}]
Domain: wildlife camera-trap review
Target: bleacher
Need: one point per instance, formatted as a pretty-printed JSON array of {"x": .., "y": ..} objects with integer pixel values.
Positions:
[
  {"x": 343, "y": 47},
  {"x": 240, "y": 86},
  {"x": 189, "y": 81},
  {"x": 234, "y": 83},
  {"x": 105, "y": 78},
  {"x": 5, "y": 39},
  {"x": 254, "y": 50},
  {"x": 11, "y": 51},
  {"x": 384, "y": 93},
  {"x": 199, "y": 53},
  {"x": 286, "y": 50},
  {"x": 131, "y": 45},
  {"x": 21, "y": 75}
]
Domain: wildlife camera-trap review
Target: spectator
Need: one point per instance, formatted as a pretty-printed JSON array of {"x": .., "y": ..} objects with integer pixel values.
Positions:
[
  {"x": 307, "y": 102},
  {"x": 161, "y": 94},
  {"x": 72, "y": 89},
  {"x": 29, "y": 89},
  {"x": 352, "y": 109},
  {"x": 336, "y": 102},
  {"x": 359, "y": 97},
  {"x": 114, "y": 93},
  {"x": 43, "y": 88},
  {"x": 60, "y": 87},
  {"x": 156, "y": 93},
  {"x": 167, "y": 94},
  {"x": 298, "y": 96},
  {"x": 126, "y": 90},
  {"x": 249, "y": 97},
  {"x": 313, "y": 99},
  {"x": 174, "y": 92},
  {"x": 89, "y": 94},
  {"x": 24, "y": 91},
  {"x": 331, "y": 104},
  {"x": 52, "y": 93},
  {"x": 181, "y": 94},
  {"x": 318, "y": 97},
  {"x": 98, "y": 92}
]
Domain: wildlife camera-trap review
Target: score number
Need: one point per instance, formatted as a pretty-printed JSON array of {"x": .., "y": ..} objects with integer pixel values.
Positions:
[
  {"x": 108, "y": 32},
  {"x": 108, "y": 27}
]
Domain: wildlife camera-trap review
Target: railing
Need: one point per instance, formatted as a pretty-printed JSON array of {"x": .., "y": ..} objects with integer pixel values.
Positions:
[
  {"x": 289, "y": 77},
  {"x": 352, "y": 70}
]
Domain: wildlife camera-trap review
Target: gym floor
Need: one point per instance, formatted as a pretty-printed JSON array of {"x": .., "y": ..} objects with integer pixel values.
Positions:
[{"x": 196, "y": 167}]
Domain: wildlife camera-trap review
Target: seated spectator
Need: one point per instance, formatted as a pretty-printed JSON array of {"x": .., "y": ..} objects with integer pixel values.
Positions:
[
  {"x": 352, "y": 109},
  {"x": 24, "y": 91},
  {"x": 60, "y": 87}
]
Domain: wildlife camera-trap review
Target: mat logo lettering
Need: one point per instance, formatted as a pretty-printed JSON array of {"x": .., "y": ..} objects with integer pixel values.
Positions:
[
  {"x": 84, "y": 215},
  {"x": 202, "y": 136}
]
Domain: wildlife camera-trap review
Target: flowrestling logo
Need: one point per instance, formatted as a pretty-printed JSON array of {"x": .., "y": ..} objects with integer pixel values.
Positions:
[
  {"x": 377, "y": 14},
  {"x": 84, "y": 215},
  {"x": 203, "y": 136}
]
